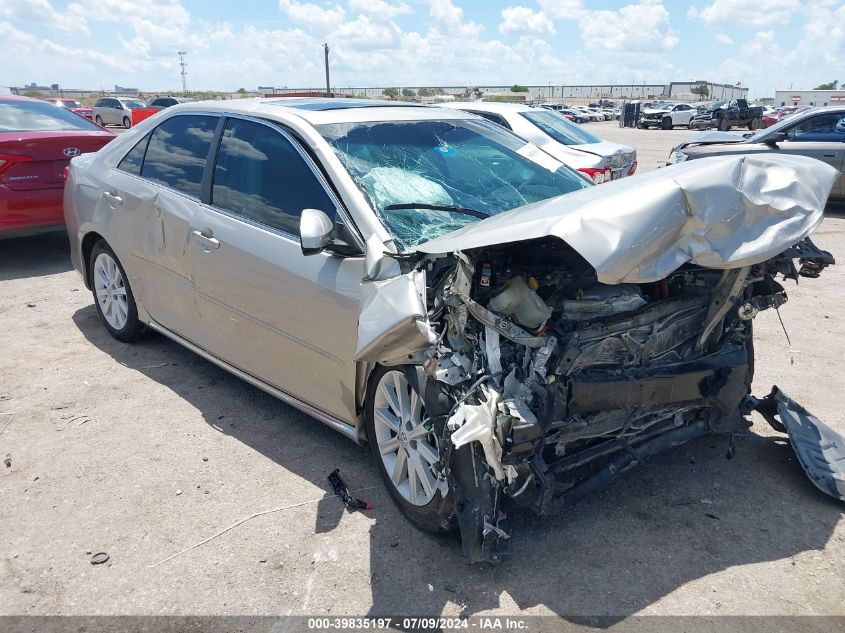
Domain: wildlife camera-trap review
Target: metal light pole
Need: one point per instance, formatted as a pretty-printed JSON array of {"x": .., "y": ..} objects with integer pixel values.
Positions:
[
  {"x": 184, "y": 66},
  {"x": 328, "y": 83}
]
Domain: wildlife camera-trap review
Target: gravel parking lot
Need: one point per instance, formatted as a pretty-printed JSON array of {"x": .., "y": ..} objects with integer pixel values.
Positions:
[{"x": 144, "y": 450}]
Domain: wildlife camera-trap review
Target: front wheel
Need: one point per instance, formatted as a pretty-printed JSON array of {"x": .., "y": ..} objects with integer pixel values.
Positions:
[
  {"x": 405, "y": 448},
  {"x": 126, "y": 122},
  {"x": 98, "y": 120},
  {"x": 667, "y": 123},
  {"x": 113, "y": 295},
  {"x": 724, "y": 126}
]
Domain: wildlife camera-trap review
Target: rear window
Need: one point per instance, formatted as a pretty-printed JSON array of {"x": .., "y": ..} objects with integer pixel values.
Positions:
[
  {"x": 559, "y": 128},
  {"x": 38, "y": 116}
]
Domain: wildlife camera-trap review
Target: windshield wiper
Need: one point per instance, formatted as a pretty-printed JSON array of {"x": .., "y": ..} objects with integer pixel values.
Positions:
[{"x": 437, "y": 207}]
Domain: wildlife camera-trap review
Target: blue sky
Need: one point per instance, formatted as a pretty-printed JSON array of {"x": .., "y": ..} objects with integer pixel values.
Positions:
[{"x": 99, "y": 43}]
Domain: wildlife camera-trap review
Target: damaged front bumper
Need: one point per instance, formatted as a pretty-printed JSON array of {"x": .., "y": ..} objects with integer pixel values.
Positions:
[{"x": 556, "y": 345}]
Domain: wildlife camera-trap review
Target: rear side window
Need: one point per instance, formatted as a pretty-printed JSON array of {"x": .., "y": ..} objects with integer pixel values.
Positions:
[
  {"x": 177, "y": 151},
  {"x": 260, "y": 176},
  {"x": 828, "y": 128},
  {"x": 133, "y": 161},
  {"x": 498, "y": 119}
]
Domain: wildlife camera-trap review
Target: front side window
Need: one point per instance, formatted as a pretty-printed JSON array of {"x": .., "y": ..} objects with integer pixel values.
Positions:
[
  {"x": 259, "y": 175},
  {"x": 428, "y": 178},
  {"x": 132, "y": 104},
  {"x": 177, "y": 151},
  {"x": 38, "y": 116},
  {"x": 561, "y": 130},
  {"x": 827, "y": 128}
]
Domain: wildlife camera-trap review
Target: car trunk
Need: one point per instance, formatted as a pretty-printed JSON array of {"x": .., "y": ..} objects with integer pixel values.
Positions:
[
  {"x": 618, "y": 161},
  {"x": 38, "y": 160}
]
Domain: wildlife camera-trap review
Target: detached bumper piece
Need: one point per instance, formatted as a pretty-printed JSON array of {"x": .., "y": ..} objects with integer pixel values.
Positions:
[{"x": 820, "y": 449}]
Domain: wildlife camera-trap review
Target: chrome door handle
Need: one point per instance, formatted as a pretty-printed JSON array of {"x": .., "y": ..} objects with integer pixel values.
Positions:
[
  {"x": 112, "y": 198},
  {"x": 833, "y": 155},
  {"x": 206, "y": 238}
]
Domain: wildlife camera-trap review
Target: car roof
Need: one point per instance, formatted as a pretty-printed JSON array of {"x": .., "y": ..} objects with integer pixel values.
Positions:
[
  {"x": 321, "y": 110},
  {"x": 18, "y": 98},
  {"x": 489, "y": 106}
]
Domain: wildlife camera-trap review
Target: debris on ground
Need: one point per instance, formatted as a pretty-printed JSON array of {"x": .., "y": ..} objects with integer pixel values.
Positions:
[
  {"x": 72, "y": 419},
  {"x": 178, "y": 492},
  {"x": 681, "y": 502},
  {"x": 8, "y": 460},
  {"x": 341, "y": 490},
  {"x": 30, "y": 305},
  {"x": 712, "y": 516},
  {"x": 99, "y": 558}
]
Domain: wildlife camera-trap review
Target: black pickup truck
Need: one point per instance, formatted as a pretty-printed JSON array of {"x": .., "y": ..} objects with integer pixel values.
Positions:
[{"x": 726, "y": 114}]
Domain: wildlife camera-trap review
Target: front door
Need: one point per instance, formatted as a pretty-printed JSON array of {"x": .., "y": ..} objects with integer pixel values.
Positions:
[
  {"x": 287, "y": 319},
  {"x": 822, "y": 137}
]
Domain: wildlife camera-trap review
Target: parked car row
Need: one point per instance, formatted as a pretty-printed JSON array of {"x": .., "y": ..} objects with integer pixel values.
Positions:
[
  {"x": 583, "y": 114},
  {"x": 502, "y": 334},
  {"x": 115, "y": 110}
]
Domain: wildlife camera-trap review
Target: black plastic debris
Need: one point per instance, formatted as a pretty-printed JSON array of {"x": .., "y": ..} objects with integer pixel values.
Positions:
[
  {"x": 8, "y": 460},
  {"x": 342, "y": 491},
  {"x": 99, "y": 558}
]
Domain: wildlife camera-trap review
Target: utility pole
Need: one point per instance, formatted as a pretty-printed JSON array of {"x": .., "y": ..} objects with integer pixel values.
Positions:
[
  {"x": 328, "y": 83},
  {"x": 184, "y": 66}
]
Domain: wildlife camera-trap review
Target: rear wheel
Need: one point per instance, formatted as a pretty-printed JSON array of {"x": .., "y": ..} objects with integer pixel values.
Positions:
[
  {"x": 405, "y": 448},
  {"x": 667, "y": 123},
  {"x": 98, "y": 120},
  {"x": 690, "y": 126},
  {"x": 113, "y": 295},
  {"x": 755, "y": 124},
  {"x": 724, "y": 126},
  {"x": 126, "y": 122}
]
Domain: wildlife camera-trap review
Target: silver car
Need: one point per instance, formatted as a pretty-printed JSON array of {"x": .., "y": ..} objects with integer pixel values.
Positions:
[
  {"x": 600, "y": 161},
  {"x": 503, "y": 334},
  {"x": 115, "y": 110}
]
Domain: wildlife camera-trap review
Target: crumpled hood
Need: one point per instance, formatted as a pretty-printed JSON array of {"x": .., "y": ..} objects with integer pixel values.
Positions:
[
  {"x": 721, "y": 212},
  {"x": 713, "y": 137},
  {"x": 655, "y": 110}
]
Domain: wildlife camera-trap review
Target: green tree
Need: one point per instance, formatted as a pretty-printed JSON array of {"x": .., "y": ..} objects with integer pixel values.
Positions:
[
  {"x": 390, "y": 92},
  {"x": 35, "y": 94},
  {"x": 702, "y": 91},
  {"x": 831, "y": 86},
  {"x": 407, "y": 92},
  {"x": 241, "y": 91},
  {"x": 518, "y": 88},
  {"x": 426, "y": 92}
]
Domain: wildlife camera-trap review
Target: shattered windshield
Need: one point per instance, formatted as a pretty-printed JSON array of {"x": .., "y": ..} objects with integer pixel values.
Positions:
[{"x": 447, "y": 167}]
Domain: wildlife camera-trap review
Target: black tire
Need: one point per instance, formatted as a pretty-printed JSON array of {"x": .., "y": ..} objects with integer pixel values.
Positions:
[
  {"x": 99, "y": 120},
  {"x": 755, "y": 124},
  {"x": 133, "y": 330},
  {"x": 724, "y": 125},
  {"x": 666, "y": 124},
  {"x": 690, "y": 126},
  {"x": 127, "y": 123},
  {"x": 435, "y": 515}
]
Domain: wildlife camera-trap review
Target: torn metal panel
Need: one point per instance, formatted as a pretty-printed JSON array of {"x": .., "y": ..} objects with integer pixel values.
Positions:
[
  {"x": 820, "y": 449},
  {"x": 393, "y": 321},
  {"x": 721, "y": 212}
]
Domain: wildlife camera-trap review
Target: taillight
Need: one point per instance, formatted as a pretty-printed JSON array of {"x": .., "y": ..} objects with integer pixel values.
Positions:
[
  {"x": 7, "y": 160},
  {"x": 66, "y": 172},
  {"x": 598, "y": 176},
  {"x": 633, "y": 168}
]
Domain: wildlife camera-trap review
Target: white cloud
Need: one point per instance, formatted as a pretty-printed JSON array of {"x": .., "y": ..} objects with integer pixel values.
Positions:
[
  {"x": 746, "y": 12},
  {"x": 525, "y": 20},
  {"x": 724, "y": 38},
  {"x": 379, "y": 9},
  {"x": 313, "y": 15},
  {"x": 449, "y": 18},
  {"x": 563, "y": 9},
  {"x": 42, "y": 13},
  {"x": 643, "y": 27}
]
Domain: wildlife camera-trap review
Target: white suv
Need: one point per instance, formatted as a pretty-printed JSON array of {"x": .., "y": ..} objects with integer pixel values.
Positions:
[
  {"x": 116, "y": 110},
  {"x": 667, "y": 116}
]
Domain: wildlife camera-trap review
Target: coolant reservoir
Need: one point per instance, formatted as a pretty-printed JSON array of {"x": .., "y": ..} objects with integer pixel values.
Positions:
[
  {"x": 521, "y": 303},
  {"x": 603, "y": 300}
]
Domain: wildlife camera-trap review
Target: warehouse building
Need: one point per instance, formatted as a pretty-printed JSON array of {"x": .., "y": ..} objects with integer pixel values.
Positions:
[{"x": 809, "y": 97}]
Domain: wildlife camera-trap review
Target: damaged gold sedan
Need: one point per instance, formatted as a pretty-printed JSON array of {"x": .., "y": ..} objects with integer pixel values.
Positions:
[{"x": 502, "y": 334}]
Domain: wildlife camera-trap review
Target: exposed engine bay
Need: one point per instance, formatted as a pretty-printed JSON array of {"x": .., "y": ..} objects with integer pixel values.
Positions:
[{"x": 542, "y": 384}]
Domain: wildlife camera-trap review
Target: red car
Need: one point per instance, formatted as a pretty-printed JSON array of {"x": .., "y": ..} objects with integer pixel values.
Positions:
[
  {"x": 74, "y": 106},
  {"x": 37, "y": 141}
]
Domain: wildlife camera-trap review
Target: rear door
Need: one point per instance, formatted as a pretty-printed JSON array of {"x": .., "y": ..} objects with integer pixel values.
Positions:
[
  {"x": 822, "y": 137},
  {"x": 153, "y": 195},
  {"x": 682, "y": 115},
  {"x": 287, "y": 319}
]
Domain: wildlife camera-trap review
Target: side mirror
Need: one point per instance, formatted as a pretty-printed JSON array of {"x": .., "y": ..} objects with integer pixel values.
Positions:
[
  {"x": 777, "y": 137},
  {"x": 315, "y": 231}
]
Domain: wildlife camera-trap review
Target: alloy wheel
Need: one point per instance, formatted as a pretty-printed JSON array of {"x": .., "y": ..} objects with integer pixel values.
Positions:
[
  {"x": 407, "y": 448},
  {"x": 110, "y": 289}
]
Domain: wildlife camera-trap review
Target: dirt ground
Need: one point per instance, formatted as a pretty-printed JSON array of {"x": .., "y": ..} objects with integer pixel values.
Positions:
[{"x": 143, "y": 450}]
